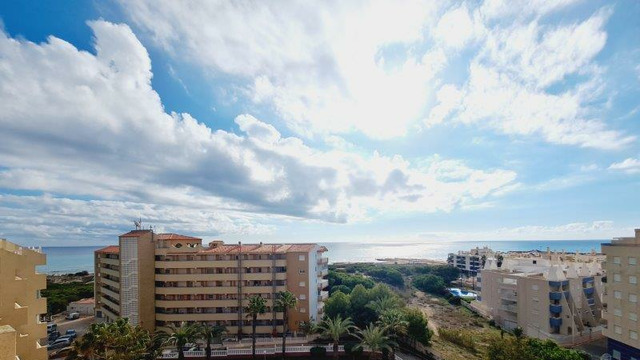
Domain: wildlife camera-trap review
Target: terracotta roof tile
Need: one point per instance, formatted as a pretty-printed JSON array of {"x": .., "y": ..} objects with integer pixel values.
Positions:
[
  {"x": 171, "y": 236},
  {"x": 112, "y": 249},
  {"x": 135, "y": 233}
]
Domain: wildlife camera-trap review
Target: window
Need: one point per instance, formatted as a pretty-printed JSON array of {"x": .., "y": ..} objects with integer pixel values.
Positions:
[
  {"x": 616, "y": 354},
  {"x": 617, "y": 312},
  {"x": 301, "y": 257},
  {"x": 616, "y": 278},
  {"x": 633, "y": 335},
  {"x": 303, "y": 297},
  {"x": 616, "y": 260},
  {"x": 617, "y": 329},
  {"x": 302, "y": 271},
  {"x": 534, "y": 287},
  {"x": 633, "y": 298},
  {"x": 302, "y": 284},
  {"x": 633, "y": 316},
  {"x": 633, "y": 261},
  {"x": 617, "y": 294},
  {"x": 633, "y": 280},
  {"x": 303, "y": 310}
]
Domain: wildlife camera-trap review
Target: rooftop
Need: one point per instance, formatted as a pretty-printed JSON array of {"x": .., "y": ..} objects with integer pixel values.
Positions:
[
  {"x": 112, "y": 249},
  {"x": 85, "y": 301}
]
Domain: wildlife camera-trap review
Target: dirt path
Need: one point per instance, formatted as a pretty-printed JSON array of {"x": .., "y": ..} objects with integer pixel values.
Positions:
[{"x": 420, "y": 301}]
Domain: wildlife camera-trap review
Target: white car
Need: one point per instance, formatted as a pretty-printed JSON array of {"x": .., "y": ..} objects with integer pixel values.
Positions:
[{"x": 72, "y": 316}]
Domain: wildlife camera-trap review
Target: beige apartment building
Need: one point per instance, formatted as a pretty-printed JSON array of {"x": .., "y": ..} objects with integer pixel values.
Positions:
[
  {"x": 160, "y": 279},
  {"x": 547, "y": 298},
  {"x": 21, "y": 306},
  {"x": 621, "y": 297}
]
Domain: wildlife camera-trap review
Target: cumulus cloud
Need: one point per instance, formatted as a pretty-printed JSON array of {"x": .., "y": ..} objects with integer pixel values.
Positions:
[
  {"x": 91, "y": 126},
  {"x": 325, "y": 68}
]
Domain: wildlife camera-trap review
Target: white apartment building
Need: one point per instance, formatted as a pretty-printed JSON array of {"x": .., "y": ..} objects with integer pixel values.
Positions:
[
  {"x": 547, "y": 298},
  {"x": 470, "y": 262}
]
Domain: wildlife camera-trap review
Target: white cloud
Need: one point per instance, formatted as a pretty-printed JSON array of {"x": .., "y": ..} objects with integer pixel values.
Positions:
[
  {"x": 325, "y": 68},
  {"x": 91, "y": 126},
  {"x": 506, "y": 87},
  {"x": 629, "y": 166},
  {"x": 456, "y": 28}
]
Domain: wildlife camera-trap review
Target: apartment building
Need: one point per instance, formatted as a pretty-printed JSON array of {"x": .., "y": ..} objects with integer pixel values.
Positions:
[
  {"x": 470, "y": 262},
  {"x": 21, "y": 306},
  {"x": 160, "y": 279},
  {"x": 621, "y": 297},
  {"x": 547, "y": 298}
]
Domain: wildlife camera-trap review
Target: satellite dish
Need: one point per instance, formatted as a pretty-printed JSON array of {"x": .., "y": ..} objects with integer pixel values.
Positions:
[{"x": 138, "y": 223}]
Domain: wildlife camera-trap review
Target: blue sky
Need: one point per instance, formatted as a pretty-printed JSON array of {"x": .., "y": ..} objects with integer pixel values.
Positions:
[{"x": 358, "y": 121}]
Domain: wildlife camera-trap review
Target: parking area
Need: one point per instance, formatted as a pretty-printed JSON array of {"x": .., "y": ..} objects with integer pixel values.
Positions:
[{"x": 81, "y": 326}]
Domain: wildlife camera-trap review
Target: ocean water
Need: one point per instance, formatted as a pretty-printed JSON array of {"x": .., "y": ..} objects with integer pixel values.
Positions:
[{"x": 74, "y": 259}]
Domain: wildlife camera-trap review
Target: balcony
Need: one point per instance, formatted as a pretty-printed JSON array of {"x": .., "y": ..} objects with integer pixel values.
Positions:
[
  {"x": 555, "y": 309},
  {"x": 323, "y": 295},
  {"x": 589, "y": 291},
  {"x": 323, "y": 272},
  {"x": 110, "y": 272},
  {"x": 323, "y": 284},
  {"x": 110, "y": 303},
  {"x": 108, "y": 261},
  {"x": 110, "y": 293},
  {"x": 113, "y": 284},
  {"x": 510, "y": 308},
  {"x": 555, "y": 322},
  {"x": 323, "y": 261}
]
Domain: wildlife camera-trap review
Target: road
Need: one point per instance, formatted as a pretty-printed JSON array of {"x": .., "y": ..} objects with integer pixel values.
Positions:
[{"x": 80, "y": 325}]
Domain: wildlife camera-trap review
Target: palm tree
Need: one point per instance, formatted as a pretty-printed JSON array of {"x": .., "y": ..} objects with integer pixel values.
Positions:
[
  {"x": 209, "y": 334},
  {"x": 374, "y": 338},
  {"x": 180, "y": 336},
  {"x": 383, "y": 304},
  {"x": 394, "y": 323},
  {"x": 257, "y": 306},
  {"x": 336, "y": 328},
  {"x": 285, "y": 301}
]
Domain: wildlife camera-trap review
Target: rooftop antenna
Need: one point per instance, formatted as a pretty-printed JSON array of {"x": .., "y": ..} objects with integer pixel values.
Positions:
[{"x": 138, "y": 224}]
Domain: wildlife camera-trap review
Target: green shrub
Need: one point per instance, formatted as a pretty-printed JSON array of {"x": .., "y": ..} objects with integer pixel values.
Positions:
[
  {"x": 430, "y": 283},
  {"x": 459, "y": 338}
]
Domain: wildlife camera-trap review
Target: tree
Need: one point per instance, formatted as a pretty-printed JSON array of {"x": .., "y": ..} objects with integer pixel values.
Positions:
[
  {"x": 285, "y": 301},
  {"x": 360, "y": 313},
  {"x": 257, "y": 306},
  {"x": 337, "y": 304},
  {"x": 429, "y": 283},
  {"x": 118, "y": 340},
  {"x": 374, "y": 338},
  {"x": 181, "y": 336},
  {"x": 336, "y": 328},
  {"x": 417, "y": 326},
  {"x": 210, "y": 334},
  {"x": 309, "y": 327},
  {"x": 384, "y": 304},
  {"x": 394, "y": 323}
]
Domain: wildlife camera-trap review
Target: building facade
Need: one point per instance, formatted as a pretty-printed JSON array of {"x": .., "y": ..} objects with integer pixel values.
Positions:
[
  {"x": 157, "y": 280},
  {"x": 470, "y": 262},
  {"x": 21, "y": 306},
  {"x": 548, "y": 299},
  {"x": 621, "y": 297}
]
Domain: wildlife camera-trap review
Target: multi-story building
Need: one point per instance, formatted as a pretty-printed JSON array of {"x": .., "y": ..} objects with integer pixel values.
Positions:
[
  {"x": 470, "y": 262},
  {"x": 621, "y": 297},
  {"x": 160, "y": 279},
  {"x": 548, "y": 299},
  {"x": 21, "y": 306}
]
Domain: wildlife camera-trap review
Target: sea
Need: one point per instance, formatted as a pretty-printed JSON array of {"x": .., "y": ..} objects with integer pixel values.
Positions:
[{"x": 62, "y": 260}]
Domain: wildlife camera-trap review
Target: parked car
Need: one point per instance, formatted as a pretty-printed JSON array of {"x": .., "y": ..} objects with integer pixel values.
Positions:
[
  {"x": 71, "y": 333},
  {"x": 51, "y": 327},
  {"x": 73, "y": 315},
  {"x": 60, "y": 343},
  {"x": 62, "y": 353},
  {"x": 53, "y": 336}
]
